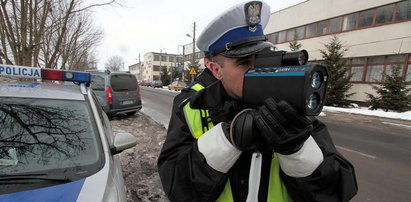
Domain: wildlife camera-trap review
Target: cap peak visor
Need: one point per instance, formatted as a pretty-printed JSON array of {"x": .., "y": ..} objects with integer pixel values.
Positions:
[{"x": 246, "y": 50}]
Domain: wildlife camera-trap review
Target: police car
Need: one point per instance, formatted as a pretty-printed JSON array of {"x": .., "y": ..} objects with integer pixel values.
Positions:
[{"x": 56, "y": 143}]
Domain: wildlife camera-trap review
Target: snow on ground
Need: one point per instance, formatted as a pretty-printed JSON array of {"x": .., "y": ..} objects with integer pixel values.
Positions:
[{"x": 366, "y": 111}]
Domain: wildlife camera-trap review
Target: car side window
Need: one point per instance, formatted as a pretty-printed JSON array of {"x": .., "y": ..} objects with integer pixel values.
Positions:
[{"x": 97, "y": 82}]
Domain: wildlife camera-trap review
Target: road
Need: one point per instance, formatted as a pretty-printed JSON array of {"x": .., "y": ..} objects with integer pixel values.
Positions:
[
  {"x": 379, "y": 149},
  {"x": 157, "y": 103}
]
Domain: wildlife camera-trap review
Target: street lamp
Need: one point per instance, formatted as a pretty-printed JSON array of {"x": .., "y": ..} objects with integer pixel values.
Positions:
[{"x": 194, "y": 48}]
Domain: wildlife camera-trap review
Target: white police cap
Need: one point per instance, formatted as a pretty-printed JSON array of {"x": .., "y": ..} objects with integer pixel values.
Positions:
[{"x": 237, "y": 32}]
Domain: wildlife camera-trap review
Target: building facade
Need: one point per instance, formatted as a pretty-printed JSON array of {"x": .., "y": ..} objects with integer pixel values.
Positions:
[
  {"x": 153, "y": 63},
  {"x": 188, "y": 56},
  {"x": 376, "y": 34},
  {"x": 137, "y": 70}
]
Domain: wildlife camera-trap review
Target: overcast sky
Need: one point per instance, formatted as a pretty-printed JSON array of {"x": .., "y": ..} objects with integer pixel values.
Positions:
[{"x": 141, "y": 26}]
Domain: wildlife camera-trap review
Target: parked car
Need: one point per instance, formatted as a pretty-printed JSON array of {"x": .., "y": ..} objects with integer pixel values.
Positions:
[
  {"x": 56, "y": 141},
  {"x": 156, "y": 84},
  {"x": 176, "y": 85},
  {"x": 118, "y": 92},
  {"x": 144, "y": 83}
]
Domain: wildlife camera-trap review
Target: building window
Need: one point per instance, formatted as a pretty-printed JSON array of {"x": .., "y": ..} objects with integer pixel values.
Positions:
[
  {"x": 335, "y": 25},
  {"x": 171, "y": 59},
  {"x": 388, "y": 69},
  {"x": 375, "y": 60},
  {"x": 408, "y": 74},
  {"x": 311, "y": 30},
  {"x": 281, "y": 37},
  {"x": 164, "y": 58},
  {"x": 375, "y": 69},
  {"x": 374, "y": 73},
  {"x": 273, "y": 38},
  {"x": 396, "y": 59},
  {"x": 357, "y": 68},
  {"x": 322, "y": 27},
  {"x": 198, "y": 55},
  {"x": 357, "y": 73},
  {"x": 384, "y": 14},
  {"x": 156, "y": 78},
  {"x": 156, "y": 58},
  {"x": 156, "y": 68},
  {"x": 290, "y": 34},
  {"x": 299, "y": 32},
  {"x": 179, "y": 59},
  {"x": 349, "y": 22},
  {"x": 358, "y": 20},
  {"x": 366, "y": 18},
  {"x": 358, "y": 61},
  {"x": 404, "y": 10}
]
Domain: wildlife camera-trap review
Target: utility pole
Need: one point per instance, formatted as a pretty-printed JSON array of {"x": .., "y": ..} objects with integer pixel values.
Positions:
[
  {"x": 183, "y": 63},
  {"x": 171, "y": 73},
  {"x": 139, "y": 66},
  {"x": 194, "y": 49},
  {"x": 161, "y": 51}
]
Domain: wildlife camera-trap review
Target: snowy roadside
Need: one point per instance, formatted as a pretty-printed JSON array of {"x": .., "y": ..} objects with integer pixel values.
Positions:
[
  {"x": 367, "y": 112},
  {"x": 140, "y": 162}
]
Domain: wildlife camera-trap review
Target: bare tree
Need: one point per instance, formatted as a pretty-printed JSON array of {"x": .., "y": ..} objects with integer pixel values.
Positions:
[
  {"x": 47, "y": 33},
  {"x": 42, "y": 131},
  {"x": 114, "y": 63},
  {"x": 79, "y": 43}
]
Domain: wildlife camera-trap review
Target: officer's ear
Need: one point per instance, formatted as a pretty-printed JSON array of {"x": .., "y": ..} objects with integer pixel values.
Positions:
[{"x": 214, "y": 67}]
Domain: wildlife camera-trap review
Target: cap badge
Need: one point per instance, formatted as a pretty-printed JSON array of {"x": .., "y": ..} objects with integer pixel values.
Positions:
[{"x": 253, "y": 14}]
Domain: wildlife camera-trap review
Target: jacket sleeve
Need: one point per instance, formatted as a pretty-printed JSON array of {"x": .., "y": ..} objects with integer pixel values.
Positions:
[
  {"x": 333, "y": 180},
  {"x": 184, "y": 172}
]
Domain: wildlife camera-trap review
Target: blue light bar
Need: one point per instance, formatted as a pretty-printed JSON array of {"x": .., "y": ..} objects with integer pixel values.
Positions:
[{"x": 82, "y": 77}]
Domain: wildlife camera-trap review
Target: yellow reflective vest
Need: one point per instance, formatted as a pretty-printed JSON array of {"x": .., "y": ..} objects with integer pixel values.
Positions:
[{"x": 199, "y": 122}]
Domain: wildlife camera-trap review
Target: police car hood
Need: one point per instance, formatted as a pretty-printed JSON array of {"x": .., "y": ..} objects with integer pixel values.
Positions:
[{"x": 96, "y": 187}]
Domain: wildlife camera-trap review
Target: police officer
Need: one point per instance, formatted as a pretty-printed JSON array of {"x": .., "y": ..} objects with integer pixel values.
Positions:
[{"x": 219, "y": 150}]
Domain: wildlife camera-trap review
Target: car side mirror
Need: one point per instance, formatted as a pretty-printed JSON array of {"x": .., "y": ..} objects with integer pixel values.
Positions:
[{"x": 122, "y": 141}]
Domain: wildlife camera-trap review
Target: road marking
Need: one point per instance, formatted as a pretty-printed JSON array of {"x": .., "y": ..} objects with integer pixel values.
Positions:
[
  {"x": 357, "y": 152},
  {"x": 397, "y": 124}
]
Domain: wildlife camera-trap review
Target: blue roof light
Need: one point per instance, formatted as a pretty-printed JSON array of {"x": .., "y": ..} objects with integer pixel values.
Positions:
[{"x": 82, "y": 77}]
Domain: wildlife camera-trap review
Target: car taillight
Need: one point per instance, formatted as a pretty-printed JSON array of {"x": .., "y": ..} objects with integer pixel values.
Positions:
[{"x": 109, "y": 97}]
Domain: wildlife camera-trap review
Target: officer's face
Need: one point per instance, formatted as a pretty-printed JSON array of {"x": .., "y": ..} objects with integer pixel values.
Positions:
[{"x": 231, "y": 73}]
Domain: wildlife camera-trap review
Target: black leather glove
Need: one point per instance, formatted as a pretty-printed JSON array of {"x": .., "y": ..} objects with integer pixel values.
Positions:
[
  {"x": 241, "y": 132},
  {"x": 283, "y": 128}
]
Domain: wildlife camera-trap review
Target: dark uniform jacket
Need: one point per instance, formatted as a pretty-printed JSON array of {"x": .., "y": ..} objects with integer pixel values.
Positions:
[{"x": 186, "y": 176}]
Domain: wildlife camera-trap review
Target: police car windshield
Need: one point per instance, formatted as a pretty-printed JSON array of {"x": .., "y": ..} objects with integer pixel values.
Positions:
[{"x": 47, "y": 136}]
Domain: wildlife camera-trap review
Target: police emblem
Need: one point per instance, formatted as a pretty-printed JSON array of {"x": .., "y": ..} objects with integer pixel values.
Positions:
[{"x": 253, "y": 14}]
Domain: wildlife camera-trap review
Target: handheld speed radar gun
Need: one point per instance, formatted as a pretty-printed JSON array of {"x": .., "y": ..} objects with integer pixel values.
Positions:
[{"x": 286, "y": 76}]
